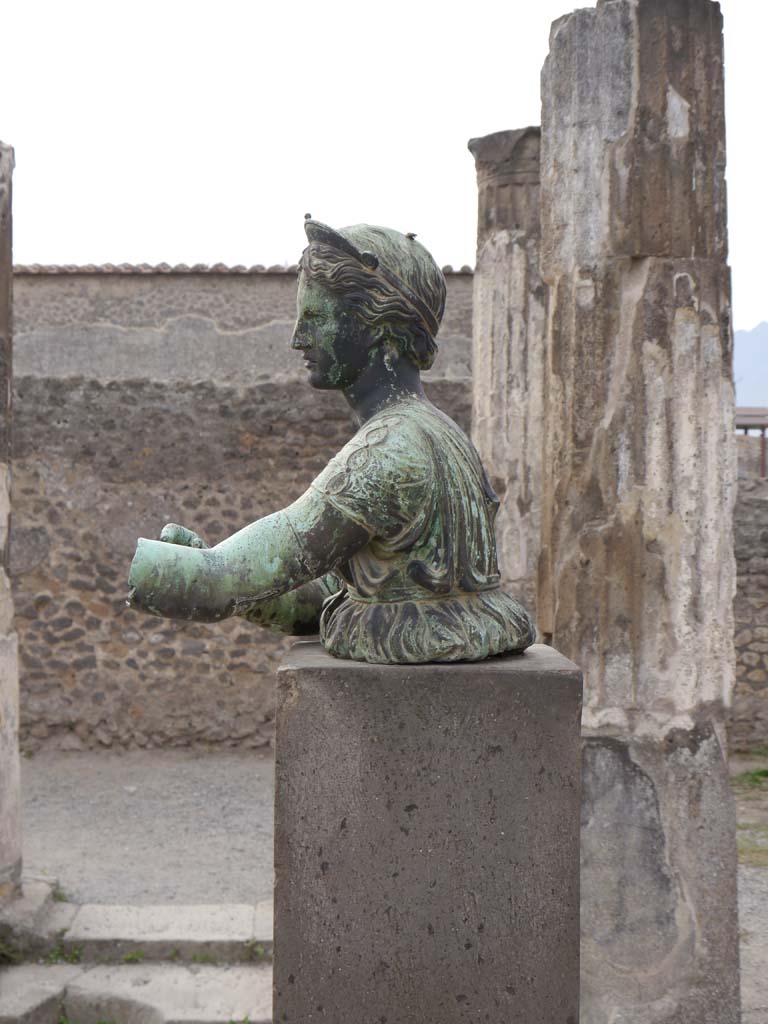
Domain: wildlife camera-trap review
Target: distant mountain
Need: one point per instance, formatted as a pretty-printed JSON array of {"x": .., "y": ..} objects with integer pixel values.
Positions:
[{"x": 750, "y": 366}]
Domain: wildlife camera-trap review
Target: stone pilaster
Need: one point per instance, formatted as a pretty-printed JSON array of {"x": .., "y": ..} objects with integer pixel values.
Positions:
[
  {"x": 637, "y": 569},
  {"x": 509, "y": 324},
  {"x": 10, "y": 808}
]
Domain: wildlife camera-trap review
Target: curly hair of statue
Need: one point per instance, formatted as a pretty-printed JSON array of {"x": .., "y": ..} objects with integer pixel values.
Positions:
[{"x": 377, "y": 303}]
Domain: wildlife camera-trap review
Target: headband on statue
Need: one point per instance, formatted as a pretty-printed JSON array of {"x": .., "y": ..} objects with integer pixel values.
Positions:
[{"x": 322, "y": 233}]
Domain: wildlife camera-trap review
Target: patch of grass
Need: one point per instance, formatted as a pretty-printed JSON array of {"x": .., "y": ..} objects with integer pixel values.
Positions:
[
  {"x": 245, "y": 1020},
  {"x": 203, "y": 958},
  {"x": 175, "y": 955},
  {"x": 58, "y": 895},
  {"x": 752, "y": 844},
  {"x": 135, "y": 956},
  {"x": 756, "y": 779},
  {"x": 9, "y": 954},
  {"x": 255, "y": 951},
  {"x": 60, "y": 955}
]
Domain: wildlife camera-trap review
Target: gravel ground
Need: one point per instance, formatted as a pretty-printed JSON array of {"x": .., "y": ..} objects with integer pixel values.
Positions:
[{"x": 151, "y": 827}]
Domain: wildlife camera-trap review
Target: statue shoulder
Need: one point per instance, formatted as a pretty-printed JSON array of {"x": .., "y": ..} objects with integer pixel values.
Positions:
[
  {"x": 381, "y": 476},
  {"x": 390, "y": 443}
]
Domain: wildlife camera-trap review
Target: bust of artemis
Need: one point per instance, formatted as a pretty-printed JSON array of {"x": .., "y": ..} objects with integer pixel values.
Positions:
[{"x": 390, "y": 554}]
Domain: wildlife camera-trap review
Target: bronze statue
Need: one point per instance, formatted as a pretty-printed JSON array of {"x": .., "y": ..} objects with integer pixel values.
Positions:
[{"x": 390, "y": 554}]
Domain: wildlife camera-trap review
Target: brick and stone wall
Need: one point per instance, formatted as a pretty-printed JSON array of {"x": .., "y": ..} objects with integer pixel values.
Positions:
[
  {"x": 749, "y": 718},
  {"x": 142, "y": 398}
]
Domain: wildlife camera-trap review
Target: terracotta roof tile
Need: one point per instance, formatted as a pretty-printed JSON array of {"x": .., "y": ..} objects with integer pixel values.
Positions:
[{"x": 166, "y": 268}]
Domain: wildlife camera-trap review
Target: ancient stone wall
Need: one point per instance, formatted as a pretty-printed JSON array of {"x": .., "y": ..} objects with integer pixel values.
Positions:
[
  {"x": 143, "y": 398},
  {"x": 749, "y": 715}
]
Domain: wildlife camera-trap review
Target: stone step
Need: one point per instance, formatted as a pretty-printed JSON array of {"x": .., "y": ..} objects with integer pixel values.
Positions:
[
  {"x": 36, "y": 927},
  {"x": 136, "y": 994},
  {"x": 32, "y": 994},
  {"x": 27, "y": 919},
  {"x": 233, "y": 933}
]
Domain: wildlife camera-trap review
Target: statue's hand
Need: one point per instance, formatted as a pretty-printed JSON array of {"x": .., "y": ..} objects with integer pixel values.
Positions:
[{"x": 172, "y": 533}]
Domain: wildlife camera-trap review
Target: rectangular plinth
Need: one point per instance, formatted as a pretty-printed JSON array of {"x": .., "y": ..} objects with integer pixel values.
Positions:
[{"x": 427, "y": 841}]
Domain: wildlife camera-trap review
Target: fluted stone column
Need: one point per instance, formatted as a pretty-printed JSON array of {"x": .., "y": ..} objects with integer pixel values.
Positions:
[
  {"x": 509, "y": 324},
  {"x": 637, "y": 573},
  {"x": 10, "y": 810}
]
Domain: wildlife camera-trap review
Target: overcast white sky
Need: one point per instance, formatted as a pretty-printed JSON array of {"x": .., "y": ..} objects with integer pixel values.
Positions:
[{"x": 182, "y": 131}]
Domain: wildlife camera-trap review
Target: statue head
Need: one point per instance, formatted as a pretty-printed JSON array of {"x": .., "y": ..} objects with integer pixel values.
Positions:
[{"x": 365, "y": 289}]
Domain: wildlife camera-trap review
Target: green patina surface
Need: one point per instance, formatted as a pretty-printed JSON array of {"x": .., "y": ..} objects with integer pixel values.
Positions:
[{"x": 390, "y": 554}]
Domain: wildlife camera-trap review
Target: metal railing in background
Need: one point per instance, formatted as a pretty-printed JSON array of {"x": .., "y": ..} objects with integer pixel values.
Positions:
[{"x": 752, "y": 418}]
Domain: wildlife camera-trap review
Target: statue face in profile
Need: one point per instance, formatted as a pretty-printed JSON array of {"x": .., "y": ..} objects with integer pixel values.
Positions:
[
  {"x": 369, "y": 305},
  {"x": 332, "y": 340}
]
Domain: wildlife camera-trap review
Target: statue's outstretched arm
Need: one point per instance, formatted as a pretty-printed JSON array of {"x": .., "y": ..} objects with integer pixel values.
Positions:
[
  {"x": 296, "y": 613},
  {"x": 270, "y": 557}
]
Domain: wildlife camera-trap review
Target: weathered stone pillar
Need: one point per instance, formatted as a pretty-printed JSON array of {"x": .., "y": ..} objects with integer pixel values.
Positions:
[
  {"x": 426, "y": 840},
  {"x": 637, "y": 576},
  {"x": 10, "y": 807},
  {"x": 509, "y": 325}
]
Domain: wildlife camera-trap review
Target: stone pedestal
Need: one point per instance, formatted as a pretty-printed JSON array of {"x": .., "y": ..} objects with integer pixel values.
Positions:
[
  {"x": 427, "y": 840},
  {"x": 10, "y": 804}
]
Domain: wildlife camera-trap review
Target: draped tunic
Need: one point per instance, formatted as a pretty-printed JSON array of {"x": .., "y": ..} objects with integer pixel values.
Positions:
[{"x": 426, "y": 587}]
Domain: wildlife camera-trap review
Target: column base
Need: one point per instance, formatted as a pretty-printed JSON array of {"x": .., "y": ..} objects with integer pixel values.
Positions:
[{"x": 660, "y": 938}]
